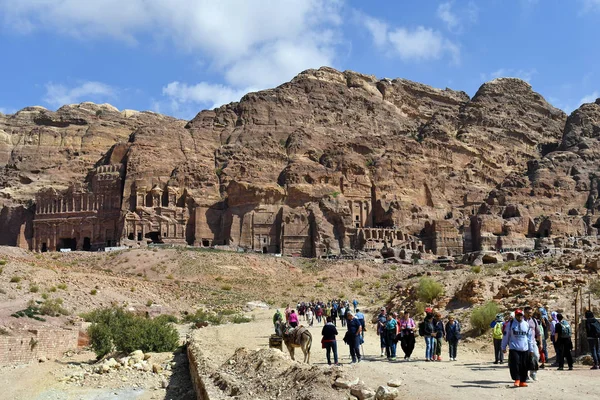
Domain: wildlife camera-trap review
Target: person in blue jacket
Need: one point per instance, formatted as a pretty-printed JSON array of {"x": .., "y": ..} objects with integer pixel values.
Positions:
[{"x": 520, "y": 341}]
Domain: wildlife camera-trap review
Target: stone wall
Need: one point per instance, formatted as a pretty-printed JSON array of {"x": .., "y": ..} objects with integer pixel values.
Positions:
[{"x": 27, "y": 346}]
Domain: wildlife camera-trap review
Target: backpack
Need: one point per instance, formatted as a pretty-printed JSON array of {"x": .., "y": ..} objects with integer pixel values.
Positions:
[
  {"x": 422, "y": 329},
  {"x": 565, "y": 332},
  {"x": 498, "y": 330},
  {"x": 594, "y": 329}
]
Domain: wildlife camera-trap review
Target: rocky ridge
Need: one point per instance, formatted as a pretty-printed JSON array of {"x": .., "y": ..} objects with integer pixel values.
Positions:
[{"x": 417, "y": 154}]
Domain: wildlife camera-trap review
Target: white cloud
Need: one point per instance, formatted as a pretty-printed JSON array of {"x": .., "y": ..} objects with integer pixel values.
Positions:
[
  {"x": 58, "y": 94},
  {"x": 444, "y": 12},
  {"x": 422, "y": 44},
  {"x": 590, "y": 98},
  {"x": 377, "y": 28},
  {"x": 203, "y": 93},
  {"x": 455, "y": 21},
  {"x": 524, "y": 74},
  {"x": 419, "y": 44},
  {"x": 249, "y": 43},
  {"x": 591, "y": 5}
]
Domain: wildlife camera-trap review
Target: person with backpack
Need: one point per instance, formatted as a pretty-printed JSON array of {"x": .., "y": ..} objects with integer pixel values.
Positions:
[
  {"x": 329, "y": 332},
  {"x": 452, "y": 337},
  {"x": 592, "y": 330},
  {"x": 426, "y": 331},
  {"x": 440, "y": 334},
  {"x": 407, "y": 335},
  {"x": 497, "y": 335},
  {"x": 563, "y": 342},
  {"x": 519, "y": 338},
  {"x": 537, "y": 334}
]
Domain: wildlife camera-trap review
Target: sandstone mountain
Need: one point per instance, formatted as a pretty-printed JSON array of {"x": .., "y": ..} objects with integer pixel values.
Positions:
[{"x": 328, "y": 162}]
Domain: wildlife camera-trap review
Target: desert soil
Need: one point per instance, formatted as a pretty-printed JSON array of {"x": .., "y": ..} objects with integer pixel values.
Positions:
[{"x": 472, "y": 376}]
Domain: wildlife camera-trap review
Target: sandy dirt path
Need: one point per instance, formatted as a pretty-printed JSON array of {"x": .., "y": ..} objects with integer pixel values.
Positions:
[{"x": 472, "y": 376}]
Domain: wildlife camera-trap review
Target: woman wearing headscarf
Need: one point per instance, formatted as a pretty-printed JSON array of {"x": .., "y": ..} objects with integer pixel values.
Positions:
[{"x": 553, "y": 323}]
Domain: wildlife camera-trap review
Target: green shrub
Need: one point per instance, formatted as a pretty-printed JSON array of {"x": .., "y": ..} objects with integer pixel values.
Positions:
[
  {"x": 149, "y": 303},
  {"x": 476, "y": 269},
  {"x": 226, "y": 287},
  {"x": 1, "y": 270},
  {"x": 394, "y": 267},
  {"x": 240, "y": 319},
  {"x": 170, "y": 276},
  {"x": 34, "y": 288},
  {"x": 2, "y": 262},
  {"x": 114, "y": 328},
  {"x": 45, "y": 296},
  {"x": 167, "y": 318},
  {"x": 429, "y": 290},
  {"x": 385, "y": 276},
  {"x": 62, "y": 286},
  {"x": 100, "y": 339},
  {"x": 419, "y": 308},
  {"x": 319, "y": 285},
  {"x": 93, "y": 292},
  {"x": 201, "y": 316},
  {"x": 53, "y": 308},
  {"x": 52, "y": 289},
  {"x": 15, "y": 279},
  {"x": 482, "y": 316},
  {"x": 595, "y": 287}
]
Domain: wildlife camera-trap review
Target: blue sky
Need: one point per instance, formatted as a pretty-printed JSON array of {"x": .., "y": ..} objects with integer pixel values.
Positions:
[{"x": 178, "y": 57}]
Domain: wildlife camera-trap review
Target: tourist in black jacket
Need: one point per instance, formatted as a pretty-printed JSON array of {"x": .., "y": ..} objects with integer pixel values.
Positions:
[{"x": 329, "y": 342}]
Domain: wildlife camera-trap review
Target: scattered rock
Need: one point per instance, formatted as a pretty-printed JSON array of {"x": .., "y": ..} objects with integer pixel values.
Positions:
[{"x": 386, "y": 393}]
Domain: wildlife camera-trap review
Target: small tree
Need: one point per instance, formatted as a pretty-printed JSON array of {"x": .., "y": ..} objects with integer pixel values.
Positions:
[
  {"x": 429, "y": 290},
  {"x": 483, "y": 315}
]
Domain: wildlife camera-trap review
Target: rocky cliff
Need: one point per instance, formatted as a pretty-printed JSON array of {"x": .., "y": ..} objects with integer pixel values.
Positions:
[{"x": 335, "y": 151}]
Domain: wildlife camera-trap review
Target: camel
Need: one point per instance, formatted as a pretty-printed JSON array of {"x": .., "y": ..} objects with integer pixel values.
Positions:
[{"x": 298, "y": 337}]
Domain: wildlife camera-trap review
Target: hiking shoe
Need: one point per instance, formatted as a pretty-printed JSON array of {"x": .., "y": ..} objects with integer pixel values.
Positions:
[
  {"x": 523, "y": 384},
  {"x": 382, "y": 354},
  {"x": 570, "y": 368},
  {"x": 501, "y": 362},
  {"x": 495, "y": 362},
  {"x": 595, "y": 367},
  {"x": 534, "y": 377},
  {"x": 393, "y": 358},
  {"x": 560, "y": 369},
  {"x": 517, "y": 383},
  {"x": 439, "y": 358}
]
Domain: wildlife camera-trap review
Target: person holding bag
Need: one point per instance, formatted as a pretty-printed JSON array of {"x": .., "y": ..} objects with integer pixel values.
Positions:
[{"x": 407, "y": 335}]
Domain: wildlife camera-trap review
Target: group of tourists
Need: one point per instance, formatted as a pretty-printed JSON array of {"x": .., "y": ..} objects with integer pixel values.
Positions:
[
  {"x": 319, "y": 311},
  {"x": 527, "y": 334}
]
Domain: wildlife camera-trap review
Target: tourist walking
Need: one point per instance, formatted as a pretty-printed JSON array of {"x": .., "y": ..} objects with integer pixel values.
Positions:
[
  {"x": 407, "y": 335},
  {"x": 309, "y": 316},
  {"x": 334, "y": 314},
  {"x": 329, "y": 333},
  {"x": 287, "y": 311},
  {"x": 343, "y": 317},
  {"x": 440, "y": 334},
  {"x": 293, "y": 319},
  {"x": 391, "y": 330},
  {"x": 553, "y": 323},
  {"x": 534, "y": 324},
  {"x": 381, "y": 320},
  {"x": 546, "y": 326},
  {"x": 361, "y": 318},
  {"x": 452, "y": 337},
  {"x": 277, "y": 321},
  {"x": 355, "y": 304},
  {"x": 497, "y": 326},
  {"x": 592, "y": 331},
  {"x": 562, "y": 336},
  {"x": 426, "y": 331},
  {"x": 519, "y": 338},
  {"x": 352, "y": 337}
]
